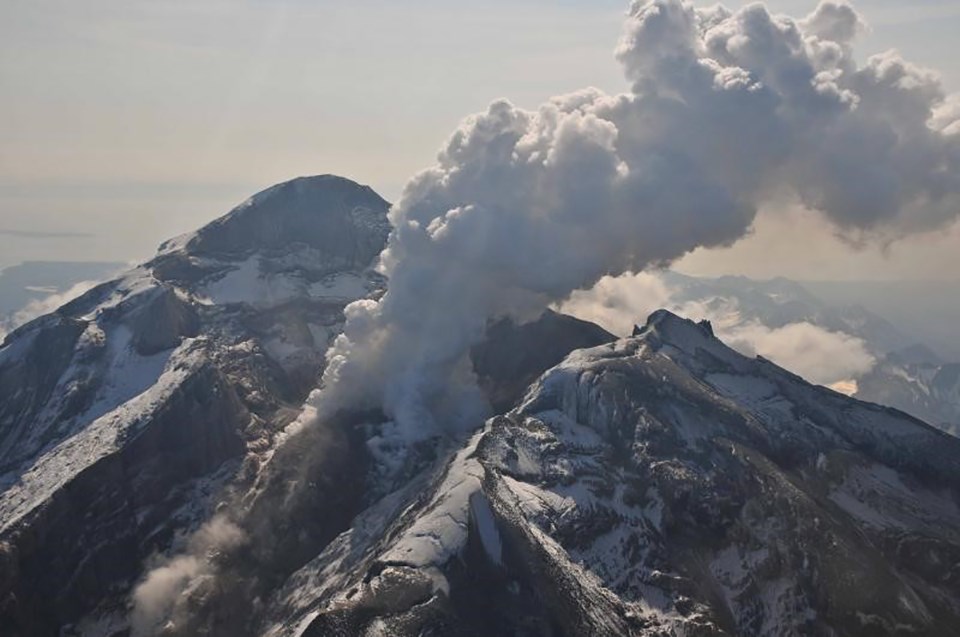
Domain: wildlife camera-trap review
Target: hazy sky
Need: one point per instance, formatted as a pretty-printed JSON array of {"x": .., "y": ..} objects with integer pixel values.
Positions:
[{"x": 125, "y": 122}]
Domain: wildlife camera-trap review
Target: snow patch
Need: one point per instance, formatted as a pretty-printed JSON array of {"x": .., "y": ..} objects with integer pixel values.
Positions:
[{"x": 486, "y": 525}]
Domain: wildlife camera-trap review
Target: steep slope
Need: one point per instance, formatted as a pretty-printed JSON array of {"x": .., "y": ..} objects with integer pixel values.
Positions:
[
  {"x": 126, "y": 413},
  {"x": 908, "y": 375},
  {"x": 659, "y": 485},
  {"x": 919, "y": 386},
  {"x": 844, "y": 346}
]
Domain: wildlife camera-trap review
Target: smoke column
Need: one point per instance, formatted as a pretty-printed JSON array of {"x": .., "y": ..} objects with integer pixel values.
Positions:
[{"x": 726, "y": 111}]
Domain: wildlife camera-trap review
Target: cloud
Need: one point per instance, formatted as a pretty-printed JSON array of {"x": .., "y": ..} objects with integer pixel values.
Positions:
[
  {"x": 45, "y": 305},
  {"x": 819, "y": 355},
  {"x": 727, "y": 111},
  {"x": 619, "y": 303}
]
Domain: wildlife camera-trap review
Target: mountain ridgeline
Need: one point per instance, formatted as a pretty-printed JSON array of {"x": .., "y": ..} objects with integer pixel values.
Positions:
[{"x": 656, "y": 485}]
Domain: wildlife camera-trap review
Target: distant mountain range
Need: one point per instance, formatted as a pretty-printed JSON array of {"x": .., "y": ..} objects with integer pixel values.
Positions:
[
  {"x": 909, "y": 375},
  {"x": 927, "y": 311}
]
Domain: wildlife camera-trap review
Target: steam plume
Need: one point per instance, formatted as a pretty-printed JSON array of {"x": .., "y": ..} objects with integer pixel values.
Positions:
[{"x": 726, "y": 111}]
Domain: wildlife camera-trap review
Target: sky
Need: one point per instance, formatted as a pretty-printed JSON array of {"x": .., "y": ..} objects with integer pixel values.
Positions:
[{"x": 127, "y": 122}]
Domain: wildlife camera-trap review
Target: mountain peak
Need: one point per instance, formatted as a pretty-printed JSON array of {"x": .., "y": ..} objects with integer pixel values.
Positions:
[
  {"x": 677, "y": 331},
  {"x": 323, "y": 223},
  {"x": 325, "y": 212}
]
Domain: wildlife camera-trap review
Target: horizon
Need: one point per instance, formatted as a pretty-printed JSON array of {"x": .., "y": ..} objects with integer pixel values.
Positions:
[{"x": 104, "y": 160}]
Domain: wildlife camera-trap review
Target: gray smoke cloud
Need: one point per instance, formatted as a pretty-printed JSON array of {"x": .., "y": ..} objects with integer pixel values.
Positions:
[{"x": 726, "y": 111}]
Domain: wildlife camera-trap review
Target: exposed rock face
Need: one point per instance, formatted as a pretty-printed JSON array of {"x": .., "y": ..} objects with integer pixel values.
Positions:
[
  {"x": 659, "y": 485},
  {"x": 924, "y": 388},
  {"x": 126, "y": 414}
]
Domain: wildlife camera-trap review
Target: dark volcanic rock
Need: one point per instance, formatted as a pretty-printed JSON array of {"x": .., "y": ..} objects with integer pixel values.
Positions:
[
  {"x": 512, "y": 356},
  {"x": 162, "y": 322}
]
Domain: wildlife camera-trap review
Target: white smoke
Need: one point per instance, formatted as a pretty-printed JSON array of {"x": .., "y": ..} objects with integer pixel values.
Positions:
[
  {"x": 617, "y": 304},
  {"x": 155, "y": 599},
  {"x": 727, "y": 110},
  {"x": 817, "y": 354}
]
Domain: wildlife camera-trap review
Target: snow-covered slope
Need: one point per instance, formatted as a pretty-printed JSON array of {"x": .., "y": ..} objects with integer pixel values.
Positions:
[
  {"x": 907, "y": 375},
  {"x": 659, "y": 485},
  {"x": 835, "y": 343},
  {"x": 125, "y": 413},
  {"x": 925, "y": 389}
]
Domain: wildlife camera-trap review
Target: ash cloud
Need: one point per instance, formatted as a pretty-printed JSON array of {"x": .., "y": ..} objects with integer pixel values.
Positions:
[{"x": 726, "y": 111}]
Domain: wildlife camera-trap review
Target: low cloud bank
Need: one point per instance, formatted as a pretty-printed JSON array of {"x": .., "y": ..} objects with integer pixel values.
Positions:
[
  {"x": 45, "y": 305},
  {"x": 819, "y": 355}
]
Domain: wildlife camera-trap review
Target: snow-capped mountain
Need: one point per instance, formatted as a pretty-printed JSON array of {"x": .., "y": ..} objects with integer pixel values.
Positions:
[
  {"x": 841, "y": 345},
  {"x": 125, "y": 413},
  {"x": 659, "y": 485},
  {"x": 656, "y": 485},
  {"x": 907, "y": 375}
]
